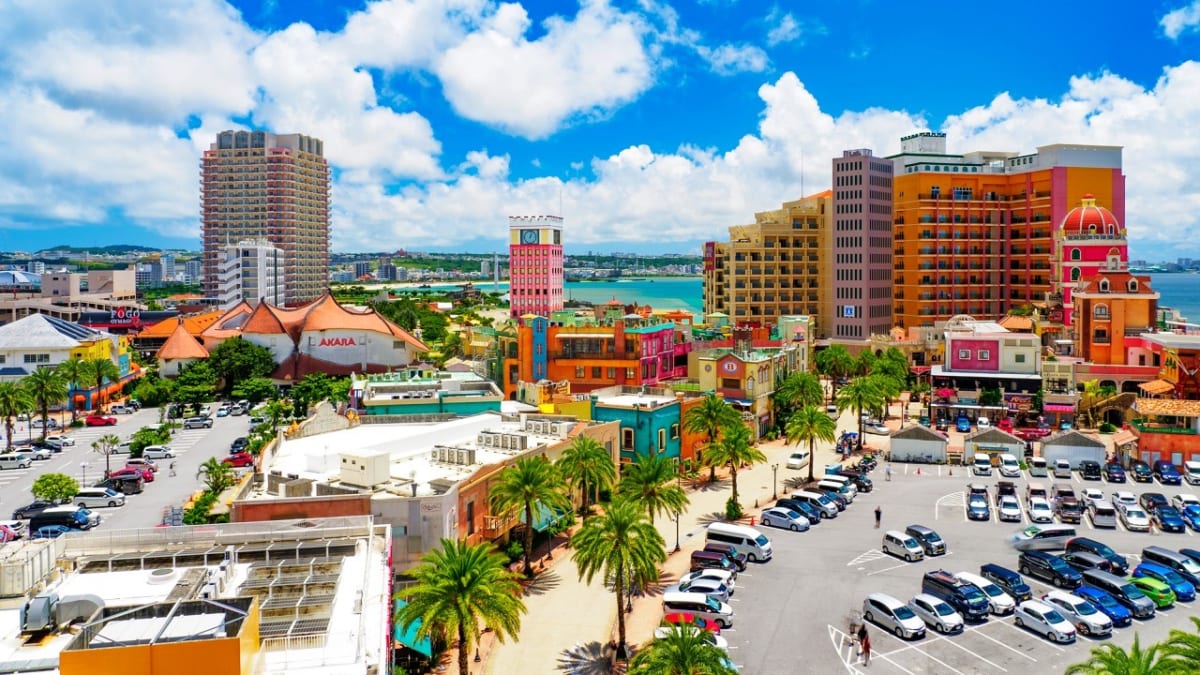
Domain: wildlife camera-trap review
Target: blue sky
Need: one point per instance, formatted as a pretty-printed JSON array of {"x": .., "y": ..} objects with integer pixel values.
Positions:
[{"x": 654, "y": 125}]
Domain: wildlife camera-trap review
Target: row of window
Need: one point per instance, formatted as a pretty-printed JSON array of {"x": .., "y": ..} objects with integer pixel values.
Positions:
[
  {"x": 627, "y": 438},
  {"x": 986, "y": 355}
]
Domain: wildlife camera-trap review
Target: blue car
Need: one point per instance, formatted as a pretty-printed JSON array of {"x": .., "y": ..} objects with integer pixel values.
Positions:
[
  {"x": 1168, "y": 518},
  {"x": 50, "y": 532},
  {"x": 977, "y": 508},
  {"x": 1191, "y": 516},
  {"x": 1184, "y": 590},
  {"x": 1166, "y": 473},
  {"x": 1106, "y": 604},
  {"x": 962, "y": 424}
]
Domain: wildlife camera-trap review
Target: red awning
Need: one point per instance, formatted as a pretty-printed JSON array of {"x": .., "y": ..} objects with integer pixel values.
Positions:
[
  {"x": 1058, "y": 408},
  {"x": 920, "y": 370}
]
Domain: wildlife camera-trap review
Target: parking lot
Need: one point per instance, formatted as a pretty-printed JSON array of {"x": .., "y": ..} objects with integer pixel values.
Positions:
[{"x": 793, "y": 613}]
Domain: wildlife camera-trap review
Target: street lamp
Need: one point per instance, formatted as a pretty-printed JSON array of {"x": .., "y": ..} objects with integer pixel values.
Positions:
[
  {"x": 676, "y": 532},
  {"x": 84, "y": 466},
  {"x": 775, "y": 481}
]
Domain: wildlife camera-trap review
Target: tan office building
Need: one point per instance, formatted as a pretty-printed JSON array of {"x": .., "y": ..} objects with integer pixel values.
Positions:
[{"x": 258, "y": 185}]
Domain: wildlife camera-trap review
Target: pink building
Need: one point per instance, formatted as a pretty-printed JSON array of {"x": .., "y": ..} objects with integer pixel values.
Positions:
[
  {"x": 1089, "y": 240},
  {"x": 862, "y": 246},
  {"x": 535, "y": 274}
]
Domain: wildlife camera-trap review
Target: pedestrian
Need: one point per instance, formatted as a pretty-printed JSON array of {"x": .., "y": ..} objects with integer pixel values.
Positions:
[
  {"x": 861, "y": 637},
  {"x": 866, "y": 650},
  {"x": 878, "y": 515},
  {"x": 888, "y": 472},
  {"x": 172, "y": 468}
]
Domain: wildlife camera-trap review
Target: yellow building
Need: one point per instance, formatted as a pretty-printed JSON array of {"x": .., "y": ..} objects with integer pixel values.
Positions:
[
  {"x": 779, "y": 265},
  {"x": 43, "y": 341}
]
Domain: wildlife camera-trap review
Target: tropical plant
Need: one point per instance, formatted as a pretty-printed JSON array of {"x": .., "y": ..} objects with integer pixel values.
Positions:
[
  {"x": 217, "y": 475},
  {"x": 99, "y": 371},
  {"x": 460, "y": 589},
  {"x": 255, "y": 390},
  {"x": 888, "y": 388},
  {"x": 864, "y": 362},
  {"x": 652, "y": 481},
  {"x": 55, "y": 487},
  {"x": 196, "y": 384},
  {"x": 794, "y": 391},
  {"x": 14, "y": 402},
  {"x": 587, "y": 464},
  {"x": 237, "y": 360},
  {"x": 861, "y": 394},
  {"x": 74, "y": 372},
  {"x": 684, "y": 650},
  {"x": 810, "y": 424},
  {"x": 622, "y": 544},
  {"x": 519, "y": 489},
  {"x": 46, "y": 387},
  {"x": 1109, "y": 659},
  {"x": 736, "y": 448},
  {"x": 1182, "y": 649},
  {"x": 708, "y": 418},
  {"x": 834, "y": 362},
  {"x": 107, "y": 445}
]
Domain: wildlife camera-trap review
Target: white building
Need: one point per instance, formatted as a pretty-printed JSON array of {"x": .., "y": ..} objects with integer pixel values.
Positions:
[{"x": 250, "y": 270}]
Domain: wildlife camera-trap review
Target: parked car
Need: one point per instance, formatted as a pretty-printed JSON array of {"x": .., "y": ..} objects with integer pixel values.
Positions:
[
  {"x": 223, "y": 411},
  {"x": 1005, "y": 424},
  {"x": 1009, "y": 509},
  {"x": 982, "y": 422},
  {"x": 1169, "y": 519},
  {"x": 129, "y": 485},
  {"x": 145, "y": 473},
  {"x": 1183, "y": 589},
  {"x": 798, "y": 460},
  {"x": 713, "y": 588},
  {"x": 1113, "y": 473},
  {"x": 158, "y": 452},
  {"x": 1191, "y": 516},
  {"x": 1150, "y": 501},
  {"x": 936, "y": 613},
  {"x": 894, "y": 616},
  {"x": 931, "y": 542},
  {"x": 39, "y": 453},
  {"x": 1038, "y": 467},
  {"x": 15, "y": 460},
  {"x": 1009, "y": 581},
  {"x": 1134, "y": 518},
  {"x": 99, "y": 420},
  {"x": 962, "y": 425},
  {"x": 804, "y": 508},
  {"x": 1141, "y": 472},
  {"x": 977, "y": 507},
  {"x": 198, "y": 423},
  {"x": 1157, "y": 591},
  {"x": 664, "y": 632},
  {"x": 1183, "y": 500},
  {"x": 239, "y": 459},
  {"x": 50, "y": 532},
  {"x": 50, "y": 423},
  {"x": 999, "y": 602},
  {"x": 1062, "y": 468},
  {"x": 777, "y": 516},
  {"x": 1119, "y": 564},
  {"x": 1116, "y": 612},
  {"x": 31, "y": 509},
  {"x": 141, "y": 462},
  {"x": 1040, "y": 617},
  {"x": 1040, "y": 511},
  {"x": 1082, "y": 614},
  {"x": 1084, "y": 560},
  {"x": 1089, "y": 469},
  {"x": 726, "y": 577},
  {"x": 1091, "y": 495},
  {"x": 942, "y": 424},
  {"x": 877, "y": 429},
  {"x": 1122, "y": 499},
  {"x": 687, "y": 619},
  {"x": 1166, "y": 473},
  {"x": 60, "y": 441},
  {"x": 96, "y": 497},
  {"x": 963, "y": 596},
  {"x": 122, "y": 410},
  {"x": 1050, "y": 568}
]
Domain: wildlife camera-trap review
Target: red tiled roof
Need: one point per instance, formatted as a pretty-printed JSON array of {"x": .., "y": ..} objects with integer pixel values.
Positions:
[
  {"x": 195, "y": 325},
  {"x": 182, "y": 345}
]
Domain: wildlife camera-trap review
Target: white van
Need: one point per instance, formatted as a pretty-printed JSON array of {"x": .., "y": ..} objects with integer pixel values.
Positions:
[
  {"x": 15, "y": 460},
  {"x": 844, "y": 480},
  {"x": 95, "y": 497},
  {"x": 982, "y": 464},
  {"x": 747, "y": 540},
  {"x": 1191, "y": 472},
  {"x": 820, "y": 502},
  {"x": 700, "y": 605},
  {"x": 902, "y": 545},
  {"x": 1009, "y": 466},
  {"x": 1102, "y": 514},
  {"x": 1043, "y": 537},
  {"x": 840, "y": 488}
]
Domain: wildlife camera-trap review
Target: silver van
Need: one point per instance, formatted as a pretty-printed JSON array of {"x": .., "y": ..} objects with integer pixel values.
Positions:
[
  {"x": 700, "y": 605},
  {"x": 844, "y": 489},
  {"x": 844, "y": 480},
  {"x": 1047, "y": 537},
  {"x": 1102, "y": 515},
  {"x": 15, "y": 460},
  {"x": 1184, "y": 565},
  {"x": 820, "y": 502},
  {"x": 1120, "y": 588},
  {"x": 94, "y": 497},
  {"x": 902, "y": 545},
  {"x": 754, "y": 544}
]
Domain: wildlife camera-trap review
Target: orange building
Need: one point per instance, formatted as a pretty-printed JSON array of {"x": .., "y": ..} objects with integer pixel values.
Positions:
[
  {"x": 975, "y": 233},
  {"x": 1112, "y": 310}
]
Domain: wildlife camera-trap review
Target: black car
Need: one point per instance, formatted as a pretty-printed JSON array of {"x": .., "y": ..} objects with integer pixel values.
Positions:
[
  {"x": 803, "y": 508},
  {"x": 739, "y": 560},
  {"x": 129, "y": 485},
  {"x": 1089, "y": 469},
  {"x": 1120, "y": 566},
  {"x": 859, "y": 478},
  {"x": 942, "y": 424},
  {"x": 1083, "y": 560},
  {"x": 1113, "y": 473},
  {"x": 32, "y": 509},
  {"x": 1049, "y": 568},
  {"x": 240, "y": 443},
  {"x": 1150, "y": 501},
  {"x": 1142, "y": 472}
]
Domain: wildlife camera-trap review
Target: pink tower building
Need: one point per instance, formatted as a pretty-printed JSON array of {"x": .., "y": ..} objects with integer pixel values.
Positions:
[
  {"x": 535, "y": 255},
  {"x": 1089, "y": 240}
]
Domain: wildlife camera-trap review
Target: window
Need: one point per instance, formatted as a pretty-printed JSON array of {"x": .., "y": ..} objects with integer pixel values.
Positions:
[
  {"x": 612, "y": 373},
  {"x": 1074, "y": 274},
  {"x": 985, "y": 355},
  {"x": 1019, "y": 358},
  {"x": 630, "y": 373},
  {"x": 674, "y": 431},
  {"x": 470, "y": 518},
  {"x": 1104, "y": 285},
  {"x": 626, "y": 439},
  {"x": 580, "y": 372},
  {"x": 1132, "y": 286},
  {"x": 1100, "y": 312},
  {"x": 596, "y": 371},
  {"x": 964, "y": 354},
  {"x": 37, "y": 358},
  {"x": 1075, "y": 254},
  {"x": 662, "y": 440}
]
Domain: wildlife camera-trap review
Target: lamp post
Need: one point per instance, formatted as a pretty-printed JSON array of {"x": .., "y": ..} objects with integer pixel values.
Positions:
[
  {"x": 676, "y": 532},
  {"x": 774, "y": 481},
  {"x": 84, "y": 466}
]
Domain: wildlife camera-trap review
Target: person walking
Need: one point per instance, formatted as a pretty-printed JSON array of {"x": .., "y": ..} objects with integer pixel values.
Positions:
[
  {"x": 860, "y": 636},
  {"x": 888, "y": 472},
  {"x": 172, "y": 468},
  {"x": 878, "y": 515},
  {"x": 866, "y": 650}
]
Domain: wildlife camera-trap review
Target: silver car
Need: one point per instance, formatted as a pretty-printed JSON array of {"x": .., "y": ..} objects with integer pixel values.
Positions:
[
  {"x": 778, "y": 516},
  {"x": 723, "y": 576},
  {"x": 1134, "y": 518},
  {"x": 1087, "y": 619},
  {"x": 1040, "y": 511},
  {"x": 892, "y": 615},
  {"x": 936, "y": 614},
  {"x": 1042, "y": 618},
  {"x": 1010, "y": 509},
  {"x": 706, "y": 585}
]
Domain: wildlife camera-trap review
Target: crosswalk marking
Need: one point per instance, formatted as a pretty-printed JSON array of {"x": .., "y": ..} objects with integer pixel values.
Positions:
[{"x": 869, "y": 556}]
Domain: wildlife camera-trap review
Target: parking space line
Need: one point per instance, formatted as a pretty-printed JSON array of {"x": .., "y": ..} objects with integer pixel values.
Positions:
[
  {"x": 844, "y": 646},
  {"x": 989, "y": 637},
  {"x": 885, "y": 658},
  {"x": 994, "y": 665},
  {"x": 931, "y": 656},
  {"x": 893, "y": 567},
  {"x": 1026, "y": 631}
]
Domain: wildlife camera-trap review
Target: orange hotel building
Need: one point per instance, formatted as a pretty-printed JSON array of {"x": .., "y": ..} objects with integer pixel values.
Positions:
[{"x": 974, "y": 233}]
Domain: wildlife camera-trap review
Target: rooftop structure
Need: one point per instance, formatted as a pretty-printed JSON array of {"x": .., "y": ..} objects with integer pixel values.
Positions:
[
  {"x": 424, "y": 391},
  {"x": 535, "y": 256}
]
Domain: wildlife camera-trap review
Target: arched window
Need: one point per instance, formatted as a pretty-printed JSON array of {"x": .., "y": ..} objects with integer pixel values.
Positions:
[
  {"x": 1091, "y": 229},
  {"x": 1104, "y": 285},
  {"x": 1100, "y": 312},
  {"x": 1132, "y": 286},
  {"x": 750, "y": 385},
  {"x": 1075, "y": 254},
  {"x": 1074, "y": 274}
]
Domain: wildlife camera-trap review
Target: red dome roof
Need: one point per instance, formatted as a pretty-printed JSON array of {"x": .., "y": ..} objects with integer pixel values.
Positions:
[{"x": 1087, "y": 218}]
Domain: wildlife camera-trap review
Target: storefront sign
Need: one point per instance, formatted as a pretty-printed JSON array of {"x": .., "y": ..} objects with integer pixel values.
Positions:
[
  {"x": 337, "y": 342},
  {"x": 124, "y": 316}
]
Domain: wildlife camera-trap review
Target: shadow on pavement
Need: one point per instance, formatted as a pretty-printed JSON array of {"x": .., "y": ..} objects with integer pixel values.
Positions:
[
  {"x": 715, "y": 486},
  {"x": 707, "y": 519},
  {"x": 585, "y": 659},
  {"x": 543, "y": 583}
]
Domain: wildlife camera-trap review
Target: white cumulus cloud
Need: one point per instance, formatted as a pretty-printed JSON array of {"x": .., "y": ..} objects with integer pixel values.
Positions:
[{"x": 1181, "y": 20}]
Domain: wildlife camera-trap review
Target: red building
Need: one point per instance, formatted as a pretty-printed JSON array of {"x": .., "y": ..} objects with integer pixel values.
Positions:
[
  {"x": 1090, "y": 239},
  {"x": 535, "y": 255}
]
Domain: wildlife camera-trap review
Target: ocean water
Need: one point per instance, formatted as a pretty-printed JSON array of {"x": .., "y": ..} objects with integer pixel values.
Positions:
[{"x": 1179, "y": 291}]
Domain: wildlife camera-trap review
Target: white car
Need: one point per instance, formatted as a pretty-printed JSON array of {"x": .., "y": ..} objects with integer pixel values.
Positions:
[
  {"x": 723, "y": 576},
  {"x": 713, "y": 588},
  {"x": 1091, "y": 495},
  {"x": 39, "y": 453},
  {"x": 894, "y": 616},
  {"x": 1184, "y": 500},
  {"x": 1040, "y": 617},
  {"x": 1087, "y": 619},
  {"x": 936, "y": 613},
  {"x": 158, "y": 452},
  {"x": 50, "y": 423},
  {"x": 982, "y": 422},
  {"x": 1134, "y": 518},
  {"x": 1122, "y": 499},
  {"x": 876, "y": 428},
  {"x": 1009, "y": 508},
  {"x": 778, "y": 516},
  {"x": 798, "y": 460},
  {"x": 999, "y": 602},
  {"x": 60, "y": 441},
  {"x": 663, "y": 632},
  {"x": 1040, "y": 511},
  {"x": 122, "y": 410}
]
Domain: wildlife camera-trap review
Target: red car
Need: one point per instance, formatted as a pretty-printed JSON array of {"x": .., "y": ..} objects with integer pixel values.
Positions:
[
  {"x": 1005, "y": 424},
  {"x": 132, "y": 472},
  {"x": 239, "y": 459},
  {"x": 99, "y": 421},
  {"x": 685, "y": 618},
  {"x": 1031, "y": 433}
]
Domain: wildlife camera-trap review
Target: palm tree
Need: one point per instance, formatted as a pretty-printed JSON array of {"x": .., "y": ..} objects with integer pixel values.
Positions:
[
  {"x": 622, "y": 544},
  {"x": 1183, "y": 649},
  {"x": 810, "y": 424},
  {"x": 888, "y": 388},
  {"x": 107, "y": 446},
  {"x": 98, "y": 370},
  {"x": 461, "y": 588},
  {"x": 708, "y": 418},
  {"x": 685, "y": 650},
  {"x": 736, "y": 448},
  {"x": 796, "y": 391},
  {"x": 1110, "y": 659},
  {"x": 835, "y": 363},
  {"x": 14, "y": 401},
  {"x": 217, "y": 475},
  {"x": 521, "y": 486},
  {"x": 587, "y": 464},
  {"x": 47, "y": 387},
  {"x": 74, "y": 372},
  {"x": 858, "y": 396},
  {"x": 652, "y": 482}
]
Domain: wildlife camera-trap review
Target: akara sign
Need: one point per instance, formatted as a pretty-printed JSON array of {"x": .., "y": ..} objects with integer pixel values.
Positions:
[{"x": 337, "y": 342}]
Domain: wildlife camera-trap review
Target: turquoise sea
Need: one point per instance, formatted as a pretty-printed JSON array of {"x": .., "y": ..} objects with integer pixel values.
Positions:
[{"x": 1179, "y": 291}]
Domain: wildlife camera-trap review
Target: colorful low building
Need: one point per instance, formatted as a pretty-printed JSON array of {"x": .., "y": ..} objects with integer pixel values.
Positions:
[
  {"x": 1089, "y": 240},
  {"x": 1166, "y": 429},
  {"x": 979, "y": 356},
  {"x": 424, "y": 391},
  {"x": 650, "y": 420}
]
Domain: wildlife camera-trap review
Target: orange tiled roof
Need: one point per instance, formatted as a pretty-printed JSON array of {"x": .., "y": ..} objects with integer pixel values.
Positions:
[
  {"x": 195, "y": 325},
  {"x": 182, "y": 345},
  {"x": 1167, "y": 406},
  {"x": 230, "y": 323},
  {"x": 1017, "y": 323}
]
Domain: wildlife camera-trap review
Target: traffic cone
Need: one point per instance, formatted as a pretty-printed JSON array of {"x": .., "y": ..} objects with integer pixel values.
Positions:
[
  {"x": 951, "y": 470},
  {"x": 918, "y": 471},
  {"x": 751, "y": 521}
]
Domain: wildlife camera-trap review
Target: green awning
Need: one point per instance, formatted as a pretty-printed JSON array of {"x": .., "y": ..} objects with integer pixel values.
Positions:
[
  {"x": 543, "y": 516},
  {"x": 407, "y": 635}
]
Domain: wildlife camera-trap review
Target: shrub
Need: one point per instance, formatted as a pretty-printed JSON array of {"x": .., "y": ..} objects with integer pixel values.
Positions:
[
  {"x": 1108, "y": 428},
  {"x": 514, "y": 551},
  {"x": 733, "y": 510}
]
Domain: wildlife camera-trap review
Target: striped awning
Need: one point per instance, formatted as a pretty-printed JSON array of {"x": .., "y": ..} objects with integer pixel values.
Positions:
[{"x": 1156, "y": 387}]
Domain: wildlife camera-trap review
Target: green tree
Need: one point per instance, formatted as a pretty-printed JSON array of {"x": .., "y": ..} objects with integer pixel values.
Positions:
[
  {"x": 98, "y": 371},
  {"x": 863, "y": 363},
  {"x": 107, "y": 445},
  {"x": 47, "y": 387},
  {"x": 794, "y": 391},
  {"x": 155, "y": 391},
  {"x": 652, "y": 481},
  {"x": 1182, "y": 649},
  {"x": 521, "y": 487},
  {"x": 55, "y": 487},
  {"x": 316, "y": 387},
  {"x": 255, "y": 390},
  {"x": 811, "y": 424},
  {"x": 74, "y": 372},
  {"x": 14, "y": 401},
  {"x": 835, "y": 363},
  {"x": 217, "y": 475},
  {"x": 621, "y": 544},
  {"x": 860, "y": 395},
  {"x": 236, "y": 360},
  {"x": 685, "y": 650},
  {"x": 585, "y": 463},
  {"x": 460, "y": 589},
  {"x": 888, "y": 388},
  {"x": 709, "y": 418},
  {"x": 736, "y": 448},
  {"x": 196, "y": 384},
  {"x": 1109, "y": 659}
]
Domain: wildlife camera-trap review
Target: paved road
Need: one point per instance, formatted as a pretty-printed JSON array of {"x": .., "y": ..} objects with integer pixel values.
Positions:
[{"x": 192, "y": 447}]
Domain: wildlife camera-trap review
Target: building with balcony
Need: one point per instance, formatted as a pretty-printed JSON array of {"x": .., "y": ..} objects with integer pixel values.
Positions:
[
  {"x": 258, "y": 185},
  {"x": 251, "y": 271},
  {"x": 779, "y": 265},
  {"x": 745, "y": 376},
  {"x": 1089, "y": 240},
  {"x": 649, "y": 421},
  {"x": 982, "y": 356},
  {"x": 976, "y": 233},
  {"x": 535, "y": 258},
  {"x": 862, "y": 246}
]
